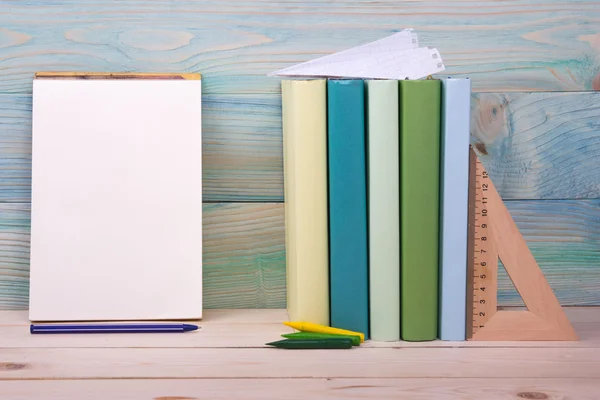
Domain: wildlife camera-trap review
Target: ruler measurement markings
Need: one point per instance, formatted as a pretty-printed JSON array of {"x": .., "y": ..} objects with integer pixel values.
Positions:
[
  {"x": 482, "y": 276},
  {"x": 471, "y": 292},
  {"x": 492, "y": 231}
]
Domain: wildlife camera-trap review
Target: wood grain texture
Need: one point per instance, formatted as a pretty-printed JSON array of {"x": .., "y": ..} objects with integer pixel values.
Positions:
[
  {"x": 244, "y": 264},
  {"x": 255, "y": 327},
  {"x": 132, "y": 363},
  {"x": 244, "y": 256},
  {"x": 15, "y": 148},
  {"x": 534, "y": 145},
  {"x": 538, "y": 45},
  {"x": 287, "y": 389},
  {"x": 539, "y": 145},
  {"x": 235, "y": 317},
  {"x": 14, "y": 256},
  {"x": 242, "y": 154},
  {"x": 544, "y": 318},
  {"x": 533, "y": 45},
  {"x": 231, "y": 328},
  {"x": 245, "y": 252},
  {"x": 208, "y": 363},
  {"x": 564, "y": 238}
]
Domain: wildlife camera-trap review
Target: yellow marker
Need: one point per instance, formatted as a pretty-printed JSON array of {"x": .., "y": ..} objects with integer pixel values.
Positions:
[{"x": 310, "y": 327}]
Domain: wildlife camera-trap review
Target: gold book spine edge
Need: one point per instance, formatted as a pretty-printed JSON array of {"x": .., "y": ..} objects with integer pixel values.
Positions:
[{"x": 116, "y": 75}]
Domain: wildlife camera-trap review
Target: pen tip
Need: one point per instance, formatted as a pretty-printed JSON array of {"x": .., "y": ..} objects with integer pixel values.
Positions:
[{"x": 188, "y": 327}]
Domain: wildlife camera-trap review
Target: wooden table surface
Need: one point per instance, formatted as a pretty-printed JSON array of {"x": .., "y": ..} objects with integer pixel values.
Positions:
[{"x": 227, "y": 359}]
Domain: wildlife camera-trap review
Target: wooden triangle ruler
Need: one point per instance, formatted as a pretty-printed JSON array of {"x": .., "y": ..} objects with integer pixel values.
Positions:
[{"x": 493, "y": 234}]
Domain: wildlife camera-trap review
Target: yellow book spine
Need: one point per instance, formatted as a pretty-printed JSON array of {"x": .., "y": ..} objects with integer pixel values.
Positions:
[{"x": 304, "y": 109}]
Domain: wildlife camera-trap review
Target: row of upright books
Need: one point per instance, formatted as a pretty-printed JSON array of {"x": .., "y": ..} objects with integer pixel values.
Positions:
[{"x": 376, "y": 197}]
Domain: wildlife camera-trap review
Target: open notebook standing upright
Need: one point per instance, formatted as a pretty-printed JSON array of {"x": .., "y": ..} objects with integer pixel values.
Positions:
[{"x": 116, "y": 230}]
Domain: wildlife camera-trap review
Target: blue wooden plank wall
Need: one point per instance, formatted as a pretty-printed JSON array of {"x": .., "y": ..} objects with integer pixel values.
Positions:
[{"x": 535, "y": 67}]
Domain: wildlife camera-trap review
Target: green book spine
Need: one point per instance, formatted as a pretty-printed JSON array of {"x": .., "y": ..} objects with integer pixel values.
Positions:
[
  {"x": 384, "y": 209},
  {"x": 420, "y": 110}
]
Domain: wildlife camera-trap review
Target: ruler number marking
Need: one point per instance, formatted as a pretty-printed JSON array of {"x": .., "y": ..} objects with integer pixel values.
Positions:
[{"x": 482, "y": 275}]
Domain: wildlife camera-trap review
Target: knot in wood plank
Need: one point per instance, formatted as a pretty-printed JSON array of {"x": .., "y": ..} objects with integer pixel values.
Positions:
[
  {"x": 533, "y": 395},
  {"x": 9, "y": 366}
]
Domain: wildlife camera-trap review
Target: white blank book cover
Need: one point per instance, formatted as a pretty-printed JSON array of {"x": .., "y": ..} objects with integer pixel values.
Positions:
[{"x": 116, "y": 218}]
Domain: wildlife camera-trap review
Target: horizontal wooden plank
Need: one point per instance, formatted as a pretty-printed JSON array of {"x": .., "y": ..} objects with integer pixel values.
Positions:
[
  {"x": 319, "y": 388},
  {"x": 232, "y": 328},
  {"x": 359, "y": 362},
  {"x": 244, "y": 255},
  {"x": 244, "y": 262},
  {"x": 254, "y": 328},
  {"x": 245, "y": 252},
  {"x": 576, "y": 314},
  {"x": 533, "y": 45},
  {"x": 242, "y": 148},
  {"x": 269, "y": 316},
  {"x": 14, "y": 255},
  {"x": 242, "y": 153},
  {"x": 563, "y": 236},
  {"x": 208, "y": 336},
  {"x": 539, "y": 145},
  {"x": 535, "y": 145}
]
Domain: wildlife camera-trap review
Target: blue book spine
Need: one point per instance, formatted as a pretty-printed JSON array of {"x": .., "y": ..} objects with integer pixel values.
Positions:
[
  {"x": 456, "y": 118},
  {"x": 348, "y": 253}
]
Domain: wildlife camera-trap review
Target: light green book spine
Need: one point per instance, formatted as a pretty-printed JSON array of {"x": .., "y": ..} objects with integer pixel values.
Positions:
[
  {"x": 420, "y": 110},
  {"x": 384, "y": 208}
]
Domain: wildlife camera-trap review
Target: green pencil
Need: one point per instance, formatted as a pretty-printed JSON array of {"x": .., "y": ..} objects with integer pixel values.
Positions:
[
  {"x": 314, "y": 335},
  {"x": 313, "y": 344}
]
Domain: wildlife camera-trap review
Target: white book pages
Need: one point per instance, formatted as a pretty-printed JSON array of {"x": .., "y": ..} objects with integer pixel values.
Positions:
[
  {"x": 394, "y": 57},
  {"x": 116, "y": 229}
]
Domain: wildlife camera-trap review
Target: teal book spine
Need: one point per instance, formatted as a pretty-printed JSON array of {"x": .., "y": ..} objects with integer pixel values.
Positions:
[
  {"x": 348, "y": 246},
  {"x": 420, "y": 136}
]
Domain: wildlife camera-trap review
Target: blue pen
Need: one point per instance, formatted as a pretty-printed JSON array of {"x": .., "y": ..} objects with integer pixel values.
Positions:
[{"x": 113, "y": 328}]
